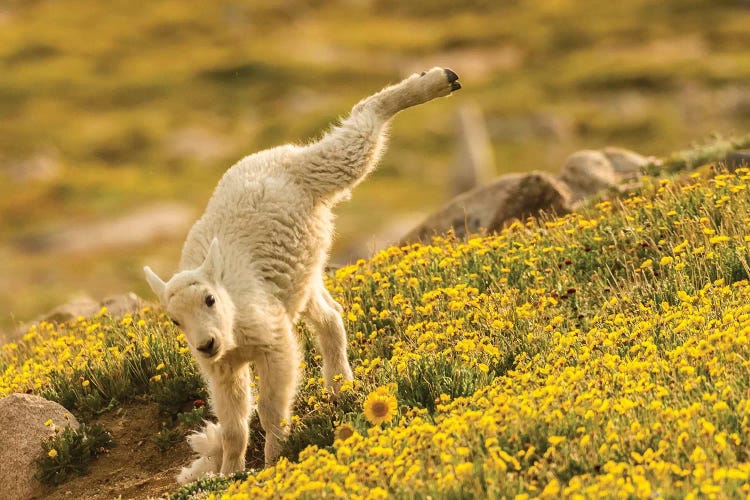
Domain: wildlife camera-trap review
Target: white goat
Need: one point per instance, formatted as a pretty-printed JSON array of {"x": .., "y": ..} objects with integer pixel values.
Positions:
[{"x": 253, "y": 264}]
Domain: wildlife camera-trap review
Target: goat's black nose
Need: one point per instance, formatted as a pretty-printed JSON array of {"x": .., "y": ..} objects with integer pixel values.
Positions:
[{"x": 207, "y": 347}]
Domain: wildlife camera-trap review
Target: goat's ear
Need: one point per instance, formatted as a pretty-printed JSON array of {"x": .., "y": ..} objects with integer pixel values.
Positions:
[
  {"x": 212, "y": 266},
  {"x": 155, "y": 282}
]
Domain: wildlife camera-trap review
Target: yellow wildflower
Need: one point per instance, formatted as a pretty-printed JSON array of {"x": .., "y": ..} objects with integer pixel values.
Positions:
[{"x": 380, "y": 406}]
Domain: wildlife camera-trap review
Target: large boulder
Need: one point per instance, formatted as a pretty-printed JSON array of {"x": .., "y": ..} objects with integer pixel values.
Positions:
[
  {"x": 514, "y": 196},
  {"x": 22, "y": 431},
  {"x": 517, "y": 196}
]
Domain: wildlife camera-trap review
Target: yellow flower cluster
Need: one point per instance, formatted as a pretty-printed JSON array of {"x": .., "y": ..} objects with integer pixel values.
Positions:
[{"x": 89, "y": 348}]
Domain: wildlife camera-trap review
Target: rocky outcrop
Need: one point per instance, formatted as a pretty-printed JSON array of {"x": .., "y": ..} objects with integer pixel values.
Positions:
[
  {"x": 22, "y": 431},
  {"x": 489, "y": 207},
  {"x": 517, "y": 196},
  {"x": 737, "y": 159},
  {"x": 117, "y": 305},
  {"x": 587, "y": 172}
]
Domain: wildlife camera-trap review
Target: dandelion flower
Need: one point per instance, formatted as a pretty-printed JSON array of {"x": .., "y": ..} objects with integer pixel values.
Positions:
[
  {"x": 380, "y": 406},
  {"x": 52, "y": 453}
]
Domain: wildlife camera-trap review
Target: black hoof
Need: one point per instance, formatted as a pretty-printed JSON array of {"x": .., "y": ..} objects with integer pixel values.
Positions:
[
  {"x": 455, "y": 86},
  {"x": 452, "y": 77}
]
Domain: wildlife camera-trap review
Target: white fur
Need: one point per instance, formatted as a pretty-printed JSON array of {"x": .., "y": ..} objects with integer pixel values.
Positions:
[{"x": 259, "y": 250}]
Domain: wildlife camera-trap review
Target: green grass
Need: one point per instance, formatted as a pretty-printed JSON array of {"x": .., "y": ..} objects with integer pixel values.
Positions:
[{"x": 71, "y": 452}]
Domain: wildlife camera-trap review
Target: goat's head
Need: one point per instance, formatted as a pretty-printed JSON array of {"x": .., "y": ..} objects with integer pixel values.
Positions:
[{"x": 197, "y": 303}]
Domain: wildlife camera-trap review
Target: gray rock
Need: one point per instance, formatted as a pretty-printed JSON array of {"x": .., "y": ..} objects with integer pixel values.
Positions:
[
  {"x": 627, "y": 164},
  {"x": 587, "y": 172},
  {"x": 737, "y": 159},
  {"x": 22, "y": 431},
  {"x": 517, "y": 196},
  {"x": 117, "y": 306},
  {"x": 40, "y": 167},
  {"x": 514, "y": 196}
]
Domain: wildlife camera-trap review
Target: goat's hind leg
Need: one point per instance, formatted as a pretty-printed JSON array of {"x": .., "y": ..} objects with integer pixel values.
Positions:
[
  {"x": 278, "y": 370},
  {"x": 417, "y": 89},
  {"x": 323, "y": 315}
]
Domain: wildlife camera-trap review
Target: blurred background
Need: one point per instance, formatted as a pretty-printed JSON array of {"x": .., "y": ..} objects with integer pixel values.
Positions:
[{"x": 117, "y": 118}]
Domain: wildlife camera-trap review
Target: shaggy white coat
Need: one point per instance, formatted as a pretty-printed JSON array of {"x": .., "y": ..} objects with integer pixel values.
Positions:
[{"x": 252, "y": 265}]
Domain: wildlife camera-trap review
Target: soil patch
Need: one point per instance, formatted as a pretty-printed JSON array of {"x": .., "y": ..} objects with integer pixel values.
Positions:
[{"x": 135, "y": 467}]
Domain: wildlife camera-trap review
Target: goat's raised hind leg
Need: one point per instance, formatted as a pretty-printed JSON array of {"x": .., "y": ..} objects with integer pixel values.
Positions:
[
  {"x": 323, "y": 315},
  {"x": 345, "y": 155},
  {"x": 416, "y": 89},
  {"x": 278, "y": 373}
]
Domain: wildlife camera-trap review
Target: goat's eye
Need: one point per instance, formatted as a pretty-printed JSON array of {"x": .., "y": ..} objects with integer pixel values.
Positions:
[
  {"x": 175, "y": 323},
  {"x": 210, "y": 300}
]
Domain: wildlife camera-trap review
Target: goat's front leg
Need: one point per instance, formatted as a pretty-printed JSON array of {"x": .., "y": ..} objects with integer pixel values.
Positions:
[
  {"x": 232, "y": 402},
  {"x": 277, "y": 367}
]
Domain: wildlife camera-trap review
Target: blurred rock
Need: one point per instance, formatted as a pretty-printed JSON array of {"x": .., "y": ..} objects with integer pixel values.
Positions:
[
  {"x": 514, "y": 196},
  {"x": 587, "y": 172},
  {"x": 627, "y": 164},
  {"x": 40, "y": 167},
  {"x": 79, "y": 306},
  {"x": 473, "y": 163},
  {"x": 22, "y": 431},
  {"x": 517, "y": 196},
  {"x": 164, "y": 220},
  {"x": 737, "y": 159},
  {"x": 197, "y": 144},
  {"x": 117, "y": 307}
]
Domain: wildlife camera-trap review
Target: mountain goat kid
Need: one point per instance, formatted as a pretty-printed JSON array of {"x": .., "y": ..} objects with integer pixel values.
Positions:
[{"x": 253, "y": 264}]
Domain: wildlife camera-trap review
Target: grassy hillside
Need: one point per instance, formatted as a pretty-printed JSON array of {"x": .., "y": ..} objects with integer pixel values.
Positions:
[
  {"x": 136, "y": 104},
  {"x": 603, "y": 353}
]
